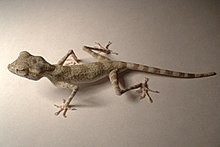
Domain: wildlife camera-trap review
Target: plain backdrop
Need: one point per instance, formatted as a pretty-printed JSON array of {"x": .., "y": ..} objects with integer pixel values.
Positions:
[{"x": 175, "y": 34}]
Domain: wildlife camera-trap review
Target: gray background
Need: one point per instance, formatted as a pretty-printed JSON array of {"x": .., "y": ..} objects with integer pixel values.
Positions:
[{"x": 176, "y": 34}]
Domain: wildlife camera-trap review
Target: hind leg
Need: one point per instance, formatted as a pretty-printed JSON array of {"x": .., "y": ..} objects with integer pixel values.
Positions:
[
  {"x": 100, "y": 48},
  {"x": 143, "y": 87},
  {"x": 105, "y": 49}
]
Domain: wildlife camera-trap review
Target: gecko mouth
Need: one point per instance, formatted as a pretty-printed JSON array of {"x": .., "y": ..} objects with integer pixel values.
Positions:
[
  {"x": 10, "y": 68},
  {"x": 20, "y": 72}
]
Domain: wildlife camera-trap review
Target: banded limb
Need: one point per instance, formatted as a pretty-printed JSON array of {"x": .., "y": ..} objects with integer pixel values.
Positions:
[
  {"x": 106, "y": 48},
  {"x": 72, "y": 61},
  {"x": 143, "y": 87},
  {"x": 65, "y": 106},
  {"x": 100, "y": 49}
]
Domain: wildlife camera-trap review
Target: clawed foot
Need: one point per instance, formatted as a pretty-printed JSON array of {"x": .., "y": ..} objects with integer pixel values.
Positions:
[
  {"x": 106, "y": 48},
  {"x": 64, "y": 107},
  {"x": 144, "y": 90}
]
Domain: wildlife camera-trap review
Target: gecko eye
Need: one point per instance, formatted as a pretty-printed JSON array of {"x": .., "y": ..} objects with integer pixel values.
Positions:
[
  {"x": 21, "y": 72},
  {"x": 24, "y": 54}
]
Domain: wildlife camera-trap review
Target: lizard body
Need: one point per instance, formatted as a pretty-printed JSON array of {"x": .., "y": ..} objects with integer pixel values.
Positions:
[
  {"x": 68, "y": 76},
  {"x": 83, "y": 73}
]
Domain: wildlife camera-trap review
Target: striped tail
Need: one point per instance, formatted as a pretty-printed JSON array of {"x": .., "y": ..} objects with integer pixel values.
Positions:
[{"x": 165, "y": 72}]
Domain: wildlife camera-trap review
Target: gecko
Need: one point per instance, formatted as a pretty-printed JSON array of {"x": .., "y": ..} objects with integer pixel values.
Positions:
[{"x": 72, "y": 74}]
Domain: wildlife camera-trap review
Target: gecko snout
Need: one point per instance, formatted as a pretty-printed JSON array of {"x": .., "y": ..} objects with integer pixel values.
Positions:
[
  {"x": 9, "y": 67},
  {"x": 16, "y": 70}
]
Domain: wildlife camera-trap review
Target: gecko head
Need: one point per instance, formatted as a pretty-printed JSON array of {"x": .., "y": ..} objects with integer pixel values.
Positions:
[{"x": 30, "y": 66}]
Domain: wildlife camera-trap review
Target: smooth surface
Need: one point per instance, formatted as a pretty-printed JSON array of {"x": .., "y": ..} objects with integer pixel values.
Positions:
[{"x": 176, "y": 34}]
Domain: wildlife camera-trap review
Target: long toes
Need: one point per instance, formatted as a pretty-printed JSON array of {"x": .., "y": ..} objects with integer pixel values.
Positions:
[
  {"x": 64, "y": 113},
  {"x": 143, "y": 95},
  {"x": 64, "y": 108},
  {"x": 151, "y": 100},
  {"x": 58, "y": 112},
  {"x": 56, "y": 106},
  {"x": 71, "y": 107},
  {"x": 109, "y": 43},
  {"x": 154, "y": 91}
]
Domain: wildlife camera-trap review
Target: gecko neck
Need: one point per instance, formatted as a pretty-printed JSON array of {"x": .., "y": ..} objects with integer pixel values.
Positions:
[{"x": 51, "y": 73}]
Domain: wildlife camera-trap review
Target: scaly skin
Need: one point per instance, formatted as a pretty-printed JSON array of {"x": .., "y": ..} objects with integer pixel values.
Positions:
[{"x": 36, "y": 67}]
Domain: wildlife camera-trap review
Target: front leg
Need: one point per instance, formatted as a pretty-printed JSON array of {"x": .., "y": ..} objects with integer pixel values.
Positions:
[
  {"x": 73, "y": 61},
  {"x": 65, "y": 106}
]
